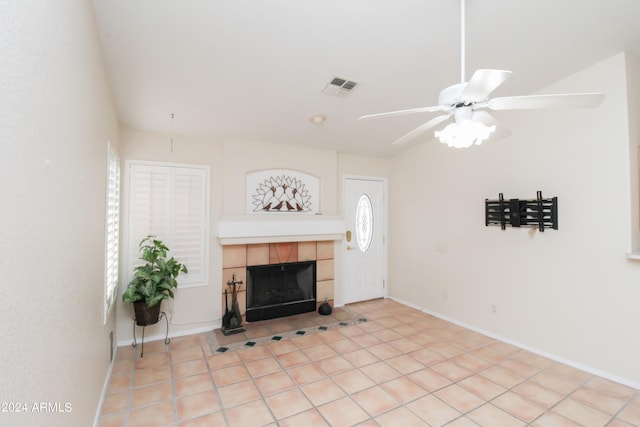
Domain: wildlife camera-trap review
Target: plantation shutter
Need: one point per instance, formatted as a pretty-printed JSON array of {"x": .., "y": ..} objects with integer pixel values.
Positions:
[
  {"x": 189, "y": 221},
  {"x": 170, "y": 202},
  {"x": 112, "y": 232}
]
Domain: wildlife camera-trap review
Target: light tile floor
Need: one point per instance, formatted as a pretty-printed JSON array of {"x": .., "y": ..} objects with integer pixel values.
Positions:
[{"x": 401, "y": 367}]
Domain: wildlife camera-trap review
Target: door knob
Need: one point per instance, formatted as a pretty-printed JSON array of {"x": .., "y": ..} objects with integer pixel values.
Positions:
[{"x": 350, "y": 248}]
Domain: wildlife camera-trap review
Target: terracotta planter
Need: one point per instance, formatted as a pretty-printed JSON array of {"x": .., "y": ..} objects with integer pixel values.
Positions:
[{"x": 146, "y": 316}]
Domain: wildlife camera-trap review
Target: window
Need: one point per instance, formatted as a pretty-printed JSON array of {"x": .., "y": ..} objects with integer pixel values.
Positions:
[
  {"x": 364, "y": 223},
  {"x": 170, "y": 201},
  {"x": 112, "y": 229}
]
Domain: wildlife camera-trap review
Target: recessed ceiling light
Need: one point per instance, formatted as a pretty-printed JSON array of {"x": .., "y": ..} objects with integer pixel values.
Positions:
[{"x": 318, "y": 119}]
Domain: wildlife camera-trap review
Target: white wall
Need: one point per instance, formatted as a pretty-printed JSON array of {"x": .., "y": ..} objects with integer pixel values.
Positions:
[
  {"x": 55, "y": 121},
  {"x": 351, "y": 164},
  {"x": 242, "y": 156},
  {"x": 570, "y": 293}
]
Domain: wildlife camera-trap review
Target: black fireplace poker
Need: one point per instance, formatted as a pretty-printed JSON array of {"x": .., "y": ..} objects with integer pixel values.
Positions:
[{"x": 232, "y": 319}]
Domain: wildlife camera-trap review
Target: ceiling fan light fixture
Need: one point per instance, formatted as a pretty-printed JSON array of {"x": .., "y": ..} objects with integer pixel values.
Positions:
[{"x": 465, "y": 133}]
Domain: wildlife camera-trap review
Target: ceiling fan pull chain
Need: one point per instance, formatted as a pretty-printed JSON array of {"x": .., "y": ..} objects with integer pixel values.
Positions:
[
  {"x": 462, "y": 42},
  {"x": 466, "y": 101}
]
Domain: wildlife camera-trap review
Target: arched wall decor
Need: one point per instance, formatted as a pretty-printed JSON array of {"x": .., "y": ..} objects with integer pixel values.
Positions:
[{"x": 281, "y": 191}]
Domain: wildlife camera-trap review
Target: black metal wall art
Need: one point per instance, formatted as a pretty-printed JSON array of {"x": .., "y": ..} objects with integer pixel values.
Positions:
[{"x": 538, "y": 212}]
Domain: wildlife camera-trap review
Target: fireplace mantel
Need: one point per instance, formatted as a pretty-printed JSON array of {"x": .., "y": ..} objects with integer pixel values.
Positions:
[{"x": 274, "y": 228}]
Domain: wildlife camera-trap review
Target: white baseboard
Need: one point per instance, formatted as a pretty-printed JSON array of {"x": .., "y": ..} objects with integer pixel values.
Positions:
[
  {"x": 105, "y": 386},
  {"x": 580, "y": 366},
  {"x": 149, "y": 338}
]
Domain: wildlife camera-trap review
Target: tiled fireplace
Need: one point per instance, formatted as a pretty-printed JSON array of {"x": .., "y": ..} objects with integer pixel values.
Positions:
[{"x": 236, "y": 259}]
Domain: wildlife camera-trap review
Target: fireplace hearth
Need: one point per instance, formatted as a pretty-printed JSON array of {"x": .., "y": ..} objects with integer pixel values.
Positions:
[{"x": 279, "y": 290}]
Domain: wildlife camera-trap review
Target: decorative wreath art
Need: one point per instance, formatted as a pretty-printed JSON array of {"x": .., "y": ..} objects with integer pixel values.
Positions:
[{"x": 281, "y": 191}]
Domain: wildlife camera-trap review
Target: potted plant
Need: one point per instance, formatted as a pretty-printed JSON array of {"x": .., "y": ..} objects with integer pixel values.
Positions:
[{"x": 153, "y": 281}]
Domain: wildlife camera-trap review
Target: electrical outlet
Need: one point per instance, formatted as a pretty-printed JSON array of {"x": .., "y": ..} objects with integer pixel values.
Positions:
[
  {"x": 111, "y": 346},
  {"x": 494, "y": 310}
]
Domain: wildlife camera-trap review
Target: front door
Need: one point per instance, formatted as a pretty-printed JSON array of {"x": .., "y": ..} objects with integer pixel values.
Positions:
[{"x": 364, "y": 243}]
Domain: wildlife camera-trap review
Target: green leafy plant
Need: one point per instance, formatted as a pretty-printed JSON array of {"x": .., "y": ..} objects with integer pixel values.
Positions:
[{"x": 156, "y": 279}]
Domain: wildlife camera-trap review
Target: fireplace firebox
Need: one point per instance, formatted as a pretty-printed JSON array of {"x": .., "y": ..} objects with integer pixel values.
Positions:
[{"x": 279, "y": 290}]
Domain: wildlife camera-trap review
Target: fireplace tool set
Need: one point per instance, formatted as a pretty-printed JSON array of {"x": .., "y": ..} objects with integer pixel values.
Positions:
[{"x": 232, "y": 319}]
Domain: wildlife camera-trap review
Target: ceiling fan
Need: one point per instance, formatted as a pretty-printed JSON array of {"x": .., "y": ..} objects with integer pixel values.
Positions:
[{"x": 467, "y": 102}]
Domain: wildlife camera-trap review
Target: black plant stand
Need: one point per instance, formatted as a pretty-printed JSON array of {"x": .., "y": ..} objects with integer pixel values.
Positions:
[{"x": 166, "y": 337}]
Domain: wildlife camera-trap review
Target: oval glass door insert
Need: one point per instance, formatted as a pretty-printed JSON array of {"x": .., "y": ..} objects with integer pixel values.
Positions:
[{"x": 364, "y": 223}]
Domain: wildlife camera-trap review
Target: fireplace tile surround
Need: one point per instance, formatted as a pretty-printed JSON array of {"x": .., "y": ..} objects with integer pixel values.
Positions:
[{"x": 236, "y": 259}]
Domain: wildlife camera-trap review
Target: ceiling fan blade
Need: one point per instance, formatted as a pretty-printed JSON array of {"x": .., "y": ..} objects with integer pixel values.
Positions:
[
  {"x": 535, "y": 102},
  {"x": 405, "y": 112},
  {"x": 487, "y": 119},
  {"x": 482, "y": 83},
  {"x": 422, "y": 129}
]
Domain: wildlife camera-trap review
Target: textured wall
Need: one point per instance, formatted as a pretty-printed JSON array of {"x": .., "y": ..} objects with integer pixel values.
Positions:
[{"x": 55, "y": 121}]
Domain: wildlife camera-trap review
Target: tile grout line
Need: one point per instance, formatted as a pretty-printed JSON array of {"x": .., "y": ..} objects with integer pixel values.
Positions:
[
  {"x": 455, "y": 382},
  {"x": 510, "y": 389},
  {"x": 174, "y": 393},
  {"x": 347, "y": 394},
  {"x": 214, "y": 385},
  {"x": 625, "y": 406},
  {"x": 130, "y": 391}
]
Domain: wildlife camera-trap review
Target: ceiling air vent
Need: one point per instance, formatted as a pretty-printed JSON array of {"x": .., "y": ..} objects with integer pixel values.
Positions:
[{"x": 339, "y": 87}]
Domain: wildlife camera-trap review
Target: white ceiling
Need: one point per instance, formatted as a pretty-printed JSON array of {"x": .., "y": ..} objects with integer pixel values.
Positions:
[{"x": 256, "y": 69}]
